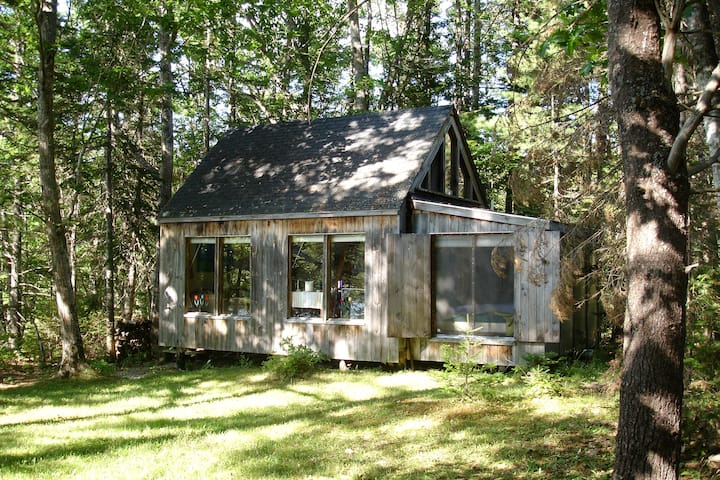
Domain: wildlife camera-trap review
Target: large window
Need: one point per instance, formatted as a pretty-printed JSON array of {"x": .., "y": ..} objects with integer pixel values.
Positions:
[
  {"x": 218, "y": 277},
  {"x": 327, "y": 276},
  {"x": 473, "y": 284}
]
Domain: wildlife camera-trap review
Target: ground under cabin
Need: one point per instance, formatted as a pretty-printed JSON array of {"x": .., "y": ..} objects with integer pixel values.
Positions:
[{"x": 366, "y": 236}]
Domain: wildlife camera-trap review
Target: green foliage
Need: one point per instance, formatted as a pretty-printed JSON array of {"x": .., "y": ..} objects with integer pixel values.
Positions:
[
  {"x": 6, "y": 354},
  {"x": 461, "y": 367},
  {"x": 301, "y": 361},
  {"x": 547, "y": 361},
  {"x": 541, "y": 382},
  {"x": 703, "y": 330},
  {"x": 102, "y": 367},
  {"x": 550, "y": 374},
  {"x": 701, "y": 419}
]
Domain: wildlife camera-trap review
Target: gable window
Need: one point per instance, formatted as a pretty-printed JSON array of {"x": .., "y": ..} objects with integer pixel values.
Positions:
[
  {"x": 327, "y": 276},
  {"x": 218, "y": 277},
  {"x": 473, "y": 284}
]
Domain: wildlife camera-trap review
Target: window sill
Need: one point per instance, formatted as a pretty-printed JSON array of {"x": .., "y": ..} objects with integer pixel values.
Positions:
[
  {"x": 210, "y": 316},
  {"x": 483, "y": 340},
  {"x": 334, "y": 321}
]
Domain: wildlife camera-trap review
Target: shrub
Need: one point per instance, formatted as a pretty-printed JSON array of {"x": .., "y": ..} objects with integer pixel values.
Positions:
[{"x": 301, "y": 361}]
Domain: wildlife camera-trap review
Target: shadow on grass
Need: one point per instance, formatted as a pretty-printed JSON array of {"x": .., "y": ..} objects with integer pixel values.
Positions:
[{"x": 397, "y": 432}]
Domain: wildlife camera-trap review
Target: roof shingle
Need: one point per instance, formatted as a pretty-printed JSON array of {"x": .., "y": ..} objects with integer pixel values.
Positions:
[{"x": 364, "y": 162}]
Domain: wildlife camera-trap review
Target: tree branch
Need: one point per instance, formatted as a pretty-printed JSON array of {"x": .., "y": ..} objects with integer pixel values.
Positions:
[
  {"x": 704, "y": 104},
  {"x": 703, "y": 164},
  {"x": 328, "y": 38}
]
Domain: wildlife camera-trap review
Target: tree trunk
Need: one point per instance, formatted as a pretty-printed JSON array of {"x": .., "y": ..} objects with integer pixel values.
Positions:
[
  {"x": 166, "y": 39},
  {"x": 109, "y": 239},
  {"x": 167, "y": 36},
  {"x": 131, "y": 282},
  {"x": 73, "y": 354},
  {"x": 360, "y": 96},
  {"x": 13, "y": 317},
  {"x": 477, "y": 55},
  {"x": 648, "y": 439},
  {"x": 206, "y": 90}
]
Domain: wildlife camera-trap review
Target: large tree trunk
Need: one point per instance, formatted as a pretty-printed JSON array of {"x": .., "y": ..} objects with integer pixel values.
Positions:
[
  {"x": 73, "y": 355},
  {"x": 651, "y": 392}
]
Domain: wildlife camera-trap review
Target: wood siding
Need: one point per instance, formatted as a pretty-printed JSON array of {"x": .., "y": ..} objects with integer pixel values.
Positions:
[
  {"x": 397, "y": 323},
  {"x": 408, "y": 286},
  {"x": 537, "y": 271},
  {"x": 364, "y": 340}
]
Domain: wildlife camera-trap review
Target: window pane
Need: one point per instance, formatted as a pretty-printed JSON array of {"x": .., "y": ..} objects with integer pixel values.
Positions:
[
  {"x": 494, "y": 290},
  {"x": 200, "y": 276},
  {"x": 306, "y": 276},
  {"x": 347, "y": 277},
  {"x": 236, "y": 276},
  {"x": 453, "y": 284},
  {"x": 473, "y": 283}
]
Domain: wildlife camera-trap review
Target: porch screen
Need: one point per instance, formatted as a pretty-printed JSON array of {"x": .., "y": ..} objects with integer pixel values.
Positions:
[{"x": 473, "y": 284}]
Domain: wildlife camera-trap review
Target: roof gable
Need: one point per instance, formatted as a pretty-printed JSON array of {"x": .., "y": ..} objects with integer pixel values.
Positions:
[{"x": 357, "y": 163}]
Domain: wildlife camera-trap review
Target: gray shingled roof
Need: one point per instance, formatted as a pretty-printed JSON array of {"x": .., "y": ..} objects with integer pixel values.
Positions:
[{"x": 356, "y": 163}]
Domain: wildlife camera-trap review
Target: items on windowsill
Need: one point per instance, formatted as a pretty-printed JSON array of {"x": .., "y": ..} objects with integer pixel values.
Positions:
[{"x": 200, "y": 302}]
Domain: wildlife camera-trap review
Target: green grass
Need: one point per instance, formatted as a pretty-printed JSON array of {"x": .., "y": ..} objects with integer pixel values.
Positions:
[{"x": 238, "y": 423}]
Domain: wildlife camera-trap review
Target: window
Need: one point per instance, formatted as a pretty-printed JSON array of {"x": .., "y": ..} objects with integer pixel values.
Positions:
[
  {"x": 327, "y": 276},
  {"x": 218, "y": 276},
  {"x": 473, "y": 284}
]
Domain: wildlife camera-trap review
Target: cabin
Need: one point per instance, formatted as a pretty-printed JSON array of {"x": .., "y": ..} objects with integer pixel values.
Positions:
[{"x": 367, "y": 237}]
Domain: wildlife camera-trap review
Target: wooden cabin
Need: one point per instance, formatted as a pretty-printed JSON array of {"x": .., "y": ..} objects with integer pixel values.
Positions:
[{"x": 367, "y": 237}]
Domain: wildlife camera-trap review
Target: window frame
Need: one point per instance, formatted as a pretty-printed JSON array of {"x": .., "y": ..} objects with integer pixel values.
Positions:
[
  {"x": 327, "y": 240},
  {"x": 218, "y": 303},
  {"x": 478, "y": 240}
]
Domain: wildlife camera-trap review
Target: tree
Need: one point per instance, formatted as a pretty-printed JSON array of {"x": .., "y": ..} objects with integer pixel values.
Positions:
[
  {"x": 648, "y": 440},
  {"x": 73, "y": 354},
  {"x": 359, "y": 98}
]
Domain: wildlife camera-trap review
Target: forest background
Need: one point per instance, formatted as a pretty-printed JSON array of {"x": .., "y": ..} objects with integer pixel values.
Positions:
[{"x": 143, "y": 89}]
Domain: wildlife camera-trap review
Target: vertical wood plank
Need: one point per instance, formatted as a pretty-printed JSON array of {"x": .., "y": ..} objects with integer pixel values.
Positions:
[
  {"x": 552, "y": 281},
  {"x": 408, "y": 293},
  {"x": 171, "y": 285}
]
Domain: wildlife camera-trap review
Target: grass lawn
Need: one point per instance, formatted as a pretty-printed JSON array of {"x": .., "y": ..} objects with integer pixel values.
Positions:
[{"x": 237, "y": 423}]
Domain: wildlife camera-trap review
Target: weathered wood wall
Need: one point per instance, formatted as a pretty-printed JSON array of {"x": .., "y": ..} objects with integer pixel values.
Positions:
[
  {"x": 409, "y": 286},
  {"x": 537, "y": 275},
  {"x": 391, "y": 331},
  {"x": 362, "y": 340}
]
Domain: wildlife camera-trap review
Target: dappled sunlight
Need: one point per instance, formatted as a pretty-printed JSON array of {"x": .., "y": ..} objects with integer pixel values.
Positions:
[
  {"x": 376, "y": 176},
  {"x": 234, "y": 423},
  {"x": 79, "y": 411},
  {"x": 548, "y": 406},
  {"x": 351, "y": 391},
  {"x": 410, "y": 381},
  {"x": 283, "y": 430},
  {"x": 415, "y": 426}
]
